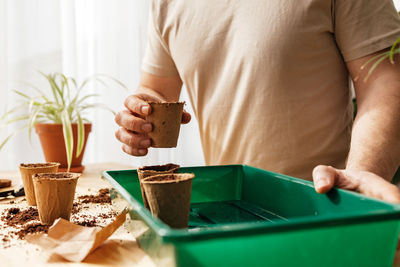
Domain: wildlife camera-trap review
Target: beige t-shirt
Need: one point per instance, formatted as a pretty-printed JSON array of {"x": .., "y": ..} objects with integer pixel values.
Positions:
[{"x": 267, "y": 79}]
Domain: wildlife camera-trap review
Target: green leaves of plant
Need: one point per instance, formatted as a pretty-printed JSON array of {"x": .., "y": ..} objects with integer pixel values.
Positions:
[
  {"x": 378, "y": 59},
  {"x": 81, "y": 136},
  {"x": 64, "y": 105},
  {"x": 68, "y": 136}
]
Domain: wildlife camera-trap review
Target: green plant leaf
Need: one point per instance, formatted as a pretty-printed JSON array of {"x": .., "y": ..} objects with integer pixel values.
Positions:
[
  {"x": 68, "y": 137},
  {"x": 22, "y": 94},
  {"x": 86, "y": 97},
  {"x": 20, "y": 118},
  {"x": 64, "y": 83},
  {"x": 81, "y": 136},
  {"x": 32, "y": 122},
  {"x": 11, "y": 111},
  {"x": 33, "y": 87},
  {"x": 53, "y": 86},
  {"x": 393, "y": 49},
  {"x": 376, "y": 64},
  {"x": 2, "y": 144},
  {"x": 6, "y": 140}
]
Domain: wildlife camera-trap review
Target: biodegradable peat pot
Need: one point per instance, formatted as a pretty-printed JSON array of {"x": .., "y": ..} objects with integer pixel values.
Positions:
[
  {"x": 166, "y": 119},
  {"x": 169, "y": 197},
  {"x": 147, "y": 171},
  {"x": 52, "y": 140},
  {"x": 27, "y": 170},
  {"x": 54, "y": 195}
]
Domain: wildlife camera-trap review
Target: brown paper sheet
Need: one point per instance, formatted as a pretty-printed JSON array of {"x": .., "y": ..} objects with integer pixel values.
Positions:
[{"x": 74, "y": 242}]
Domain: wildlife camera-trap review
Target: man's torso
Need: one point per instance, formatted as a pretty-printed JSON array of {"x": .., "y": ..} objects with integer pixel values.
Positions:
[{"x": 268, "y": 84}]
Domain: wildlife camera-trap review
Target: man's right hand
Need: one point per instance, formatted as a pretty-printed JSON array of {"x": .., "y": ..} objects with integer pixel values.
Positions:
[{"x": 134, "y": 127}]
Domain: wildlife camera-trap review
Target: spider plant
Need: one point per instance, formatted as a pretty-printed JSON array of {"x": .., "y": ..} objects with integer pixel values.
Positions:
[
  {"x": 65, "y": 104},
  {"x": 378, "y": 59}
]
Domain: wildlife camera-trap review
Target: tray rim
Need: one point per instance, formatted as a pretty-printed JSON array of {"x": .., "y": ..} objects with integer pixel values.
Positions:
[{"x": 172, "y": 235}]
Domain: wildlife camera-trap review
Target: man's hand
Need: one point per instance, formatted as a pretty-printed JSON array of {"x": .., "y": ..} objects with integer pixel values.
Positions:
[
  {"x": 134, "y": 127},
  {"x": 367, "y": 183}
]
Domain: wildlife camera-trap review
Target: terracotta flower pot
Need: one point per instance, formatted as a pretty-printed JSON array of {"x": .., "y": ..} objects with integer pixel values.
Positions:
[
  {"x": 147, "y": 171},
  {"x": 166, "y": 120},
  {"x": 27, "y": 170},
  {"x": 52, "y": 140},
  {"x": 169, "y": 197},
  {"x": 54, "y": 195}
]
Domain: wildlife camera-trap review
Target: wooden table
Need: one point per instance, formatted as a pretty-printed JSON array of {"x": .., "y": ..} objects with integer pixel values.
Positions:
[{"x": 120, "y": 250}]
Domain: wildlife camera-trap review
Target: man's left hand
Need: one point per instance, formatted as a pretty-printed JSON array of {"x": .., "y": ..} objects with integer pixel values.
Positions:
[{"x": 366, "y": 183}]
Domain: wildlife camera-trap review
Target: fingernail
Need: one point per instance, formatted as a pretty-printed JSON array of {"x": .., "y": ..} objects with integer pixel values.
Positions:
[
  {"x": 147, "y": 127},
  {"x": 142, "y": 151},
  {"x": 145, "y": 143},
  {"x": 145, "y": 109},
  {"x": 322, "y": 183}
]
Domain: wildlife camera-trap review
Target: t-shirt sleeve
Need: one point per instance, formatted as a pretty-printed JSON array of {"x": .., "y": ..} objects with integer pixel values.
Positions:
[
  {"x": 363, "y": 27},
  {"x": 157, "y": 59}
]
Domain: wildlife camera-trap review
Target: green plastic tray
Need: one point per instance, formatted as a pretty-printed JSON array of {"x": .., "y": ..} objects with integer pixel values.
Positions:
[{"x": 244, "y": 216}]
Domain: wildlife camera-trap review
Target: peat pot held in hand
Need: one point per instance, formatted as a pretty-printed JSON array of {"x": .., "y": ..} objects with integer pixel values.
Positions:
[
  {"x": 147, "y": 171},
  {"x": 169, "y": 197},
  {"x": 52, "y": 140},
  {"x": 27, "y": 170},
  {"x": 54, "y": 195},
  {"x": 166, "y": 118}
]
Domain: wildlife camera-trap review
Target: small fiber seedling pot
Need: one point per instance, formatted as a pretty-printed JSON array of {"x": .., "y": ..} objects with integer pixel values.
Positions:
[
  {"x": 54, "y": 195},
  {"x": 29, "y": 169},
  {"x": 166, "y": 119},
  {"x": 147, "y": 171},
  {"x": 169, "y": 197}
]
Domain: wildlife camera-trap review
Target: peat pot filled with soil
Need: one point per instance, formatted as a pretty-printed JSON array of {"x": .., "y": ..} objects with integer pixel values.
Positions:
[
  {"x": 54, "y": 195},
  {"x": 29, "y": 169},
  {"x": 169, "y": 197},
  {"x": 147, "y": 171}
]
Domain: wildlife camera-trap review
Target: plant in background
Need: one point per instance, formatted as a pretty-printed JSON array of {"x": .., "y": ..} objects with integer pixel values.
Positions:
[
  {"x": 395, "y": 49},
  {"x": 65, "y": 105},
  {"x": 388, "y": 55}
]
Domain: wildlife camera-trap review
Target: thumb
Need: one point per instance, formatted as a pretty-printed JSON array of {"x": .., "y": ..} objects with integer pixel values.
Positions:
[
  {"x": 324, "y": 178},
  {"x": 186, "y": 117}
]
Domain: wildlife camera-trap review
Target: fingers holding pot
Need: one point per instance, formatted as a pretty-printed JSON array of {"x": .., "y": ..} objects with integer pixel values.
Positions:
[
  {"x": 133, "y": 123},
  {"x": 133, "y": 143}
]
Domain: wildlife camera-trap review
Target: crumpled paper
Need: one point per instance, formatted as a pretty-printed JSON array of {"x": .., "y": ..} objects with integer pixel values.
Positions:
[{"x": 74, "y": 242}]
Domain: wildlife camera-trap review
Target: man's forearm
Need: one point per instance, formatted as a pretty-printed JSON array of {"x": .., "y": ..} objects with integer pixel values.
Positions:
[{"x": 375, "y": 144}]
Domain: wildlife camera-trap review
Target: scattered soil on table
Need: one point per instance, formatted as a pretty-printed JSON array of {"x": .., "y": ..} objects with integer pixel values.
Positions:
[
  {"x": 16, "y": 217},
  {"x": 32, "y": 228},
  {"x": 19, "y": 219},
  {"x": 76, "y": 208},
  {"x": 23, "y": 221},
  {"x": 88, "y": 222},
  {"x": 102, "y": 197},
  {"x": 93, "y": 221},
  {"x": 107, "y": 215}
]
